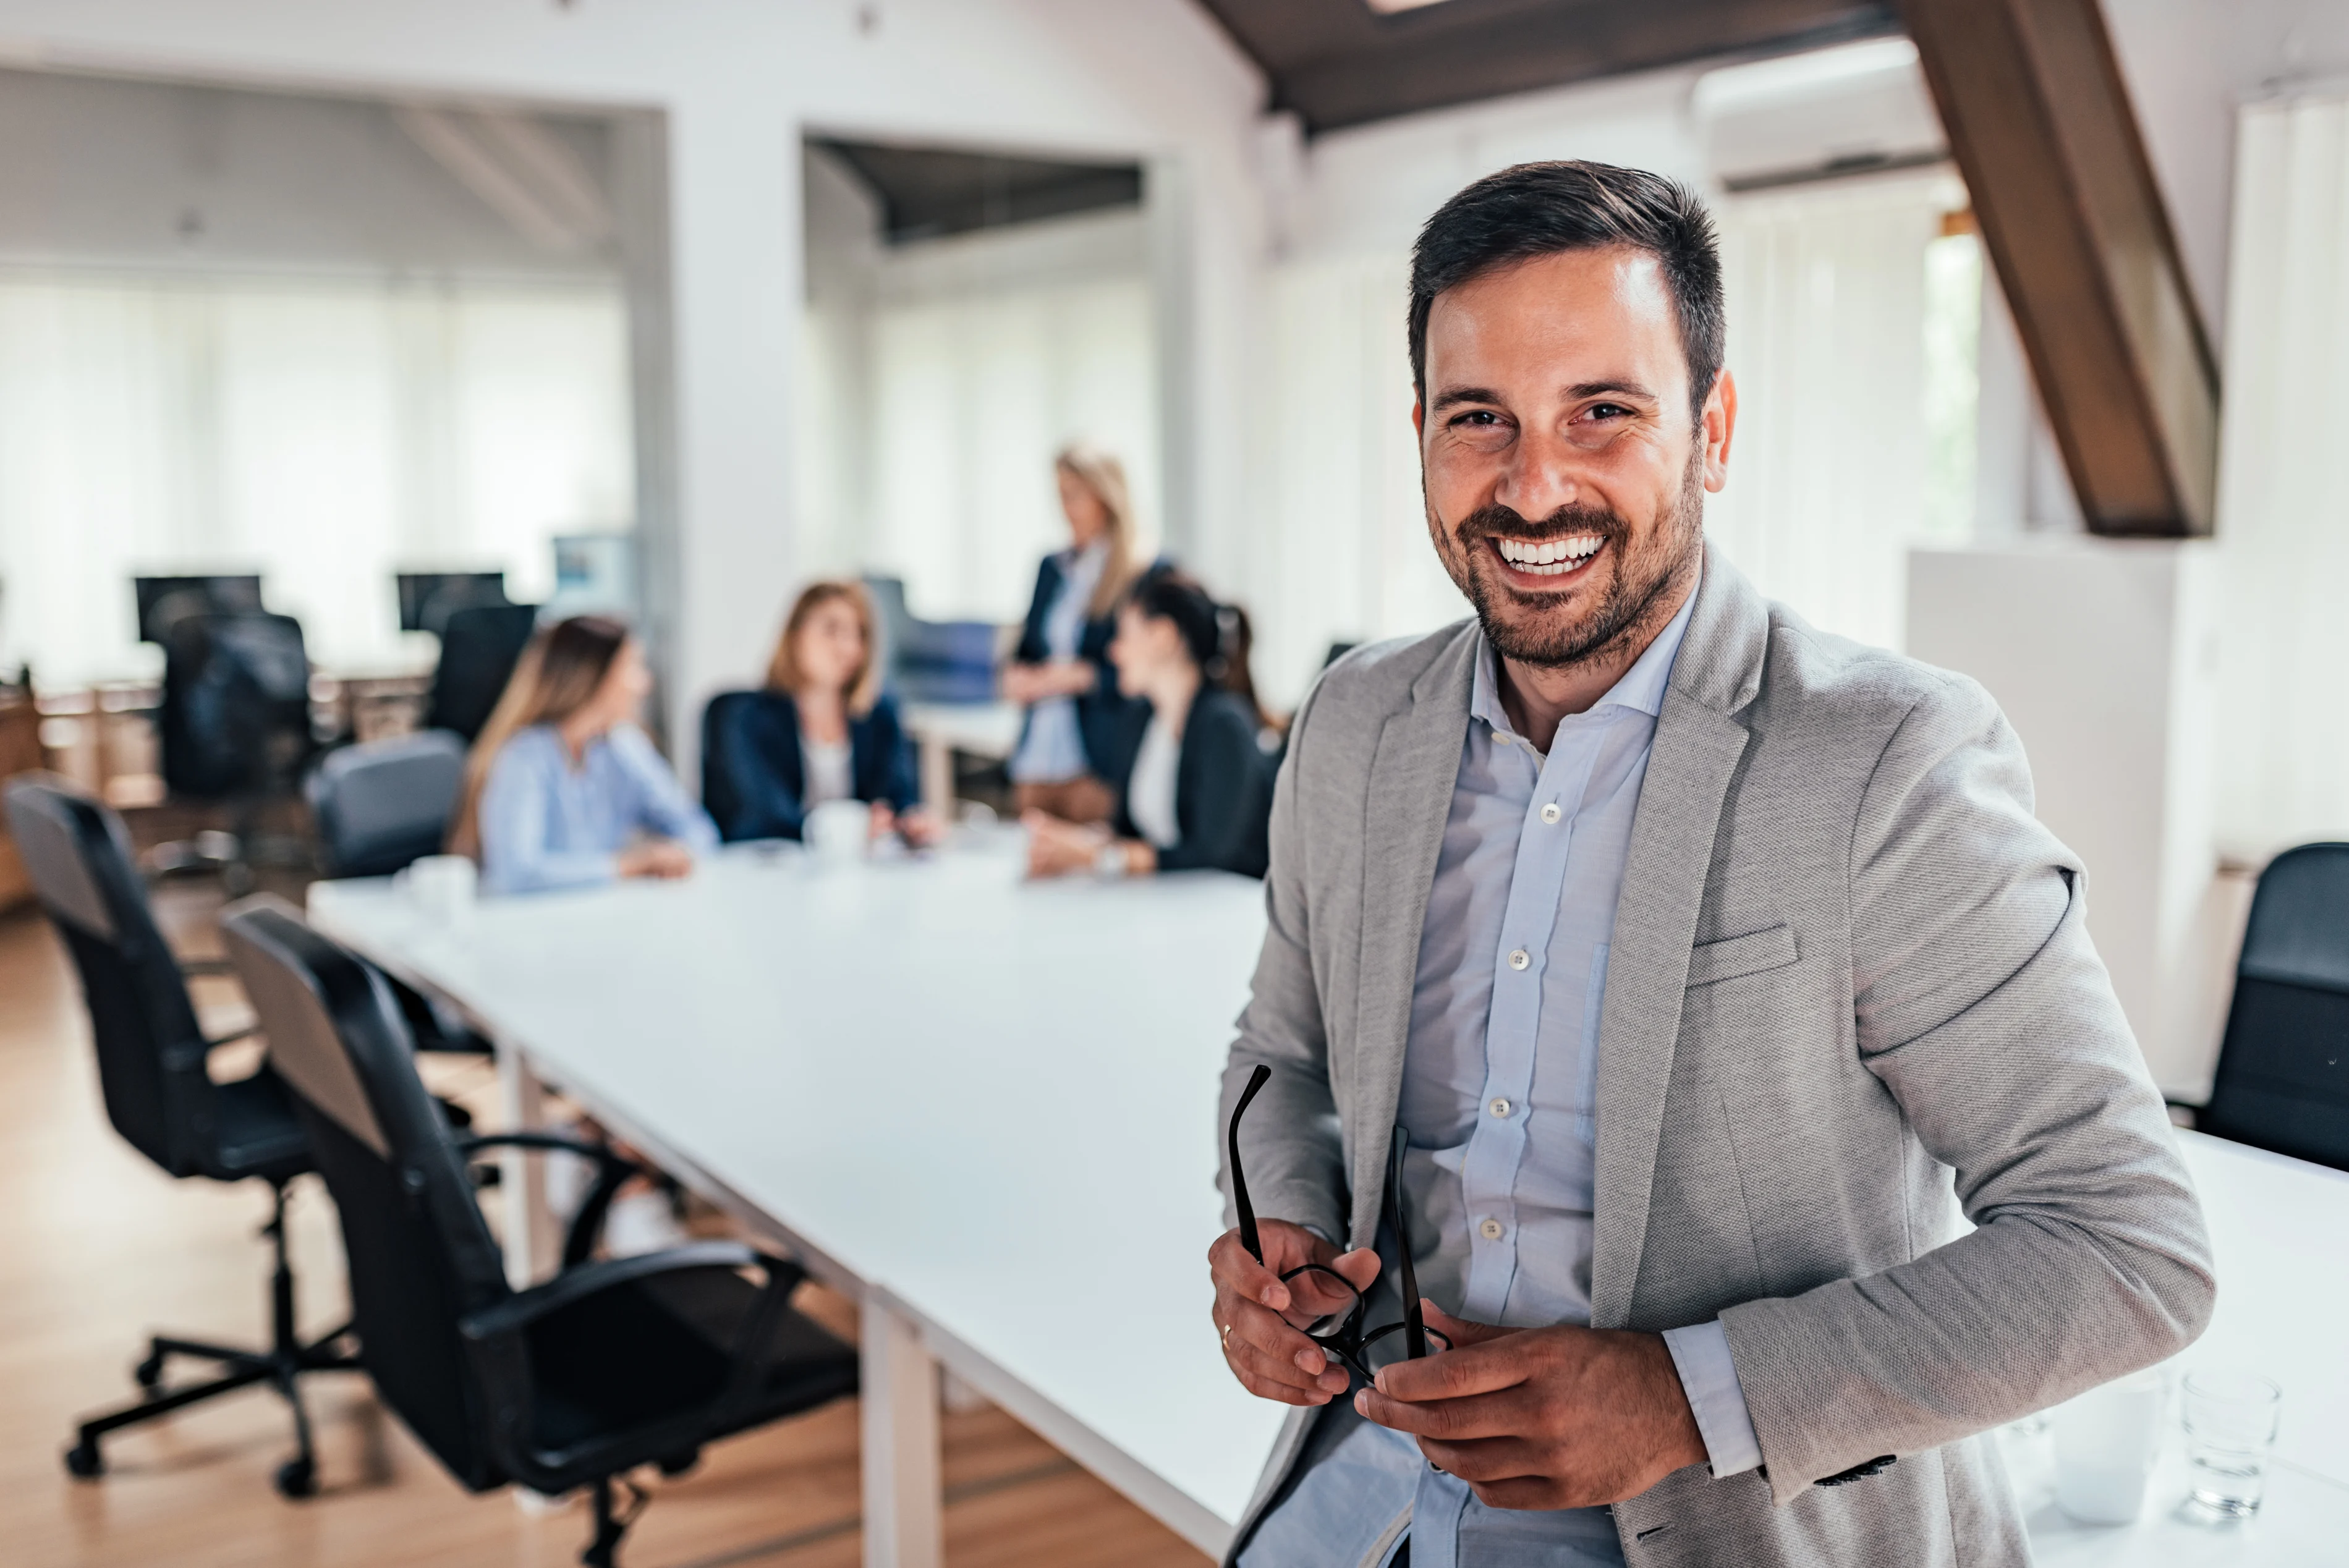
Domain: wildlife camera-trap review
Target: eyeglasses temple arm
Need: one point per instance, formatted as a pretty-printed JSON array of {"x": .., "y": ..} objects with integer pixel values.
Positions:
[
  {"x": 1248, "y": 1237},
  {"x": 1415, "y": 1321}
]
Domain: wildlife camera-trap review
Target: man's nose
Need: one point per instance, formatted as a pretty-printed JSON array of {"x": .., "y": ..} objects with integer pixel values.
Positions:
[{"x": 1543, "y": 474}]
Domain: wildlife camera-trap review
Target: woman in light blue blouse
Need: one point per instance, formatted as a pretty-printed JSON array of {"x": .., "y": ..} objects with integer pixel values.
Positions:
[{"x": 562, "y": 789}]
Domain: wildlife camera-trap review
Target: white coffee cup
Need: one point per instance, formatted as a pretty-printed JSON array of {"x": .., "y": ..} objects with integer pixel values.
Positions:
[
  {"x": 442, "y": 886},
  {"x": 2105, "y": 1444},
  {"x": 838, "y": 830}
]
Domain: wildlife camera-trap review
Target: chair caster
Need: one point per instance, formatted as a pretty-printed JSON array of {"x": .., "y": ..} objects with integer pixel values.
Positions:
[
  {"x": 149, "y": 1372},
  {"x": 84, "y": 1461},
  {"x": 297, "y": 1478}
]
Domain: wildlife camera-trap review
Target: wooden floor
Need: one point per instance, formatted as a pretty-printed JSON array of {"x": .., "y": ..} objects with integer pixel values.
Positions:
[{"x": 99, "y": 1249}]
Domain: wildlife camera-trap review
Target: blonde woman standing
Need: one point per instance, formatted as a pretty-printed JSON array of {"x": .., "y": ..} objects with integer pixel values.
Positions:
[{"x": 1068, "y": 762}]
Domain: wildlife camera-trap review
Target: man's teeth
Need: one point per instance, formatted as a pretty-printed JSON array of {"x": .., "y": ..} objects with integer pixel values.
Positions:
[{"x": 1550, "y": 557}]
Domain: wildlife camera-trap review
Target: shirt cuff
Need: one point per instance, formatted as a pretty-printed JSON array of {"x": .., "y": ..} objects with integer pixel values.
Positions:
[{"x": 1708, "y": 1378}]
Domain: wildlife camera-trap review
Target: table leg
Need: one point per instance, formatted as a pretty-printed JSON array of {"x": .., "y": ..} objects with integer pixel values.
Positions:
[
  {"x": 900, "y": 1406},
  {"x": 529, "y": 1224}
]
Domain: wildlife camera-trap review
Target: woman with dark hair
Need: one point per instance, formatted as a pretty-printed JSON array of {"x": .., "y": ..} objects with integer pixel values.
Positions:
[
  {"x": 1199, "y": 792},
  {"x": 562, "y": 788},
  {"x": 822, "y": 731},
  {"x": 1068, "y": 760}
]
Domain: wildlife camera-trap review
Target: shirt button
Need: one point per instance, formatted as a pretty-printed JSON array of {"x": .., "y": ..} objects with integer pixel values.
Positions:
[
  {"x": 1490, "y": 1230},
  {"x": 1499, "y": 1108},
  {"x": 1520, "y": 958},
  {"x": 1550, "y": 813}
]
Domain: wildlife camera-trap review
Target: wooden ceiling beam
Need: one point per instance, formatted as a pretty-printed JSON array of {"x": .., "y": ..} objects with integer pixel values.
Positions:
[{"x": 2040, "y": 122}]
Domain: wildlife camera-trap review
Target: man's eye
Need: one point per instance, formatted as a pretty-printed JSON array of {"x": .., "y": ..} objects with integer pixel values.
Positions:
[
  {"x": 1484, "y": 417},
  {"x": 1608, "y": 411}
]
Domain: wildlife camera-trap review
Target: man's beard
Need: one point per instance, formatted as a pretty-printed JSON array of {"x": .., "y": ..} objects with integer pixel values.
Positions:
[{"x": 1631, "y": 595}]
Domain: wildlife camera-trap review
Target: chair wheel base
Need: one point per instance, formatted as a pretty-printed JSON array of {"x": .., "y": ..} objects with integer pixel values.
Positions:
[
  {"x": 85, "y": 1462},
  {"x": 297, "y": 1478}
]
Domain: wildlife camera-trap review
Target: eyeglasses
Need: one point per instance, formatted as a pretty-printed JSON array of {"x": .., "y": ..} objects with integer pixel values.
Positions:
[{"x": 1346, "y": 1341}]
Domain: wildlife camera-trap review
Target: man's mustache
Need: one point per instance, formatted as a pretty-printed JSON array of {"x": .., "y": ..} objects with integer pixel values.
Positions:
[{"x": 1567, "y": 521}]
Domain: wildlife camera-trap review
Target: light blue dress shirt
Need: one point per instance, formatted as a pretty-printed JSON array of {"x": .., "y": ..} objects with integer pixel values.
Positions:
[
  {"x": 1499, "y": 1097},
  {"x": 547, "y": 824}
]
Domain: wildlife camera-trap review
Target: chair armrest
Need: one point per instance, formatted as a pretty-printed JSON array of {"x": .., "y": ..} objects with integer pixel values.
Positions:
[
  {"x": 612, "y": 1172},
  {"x": 2193, "y": 1111},
  {"x": 194, "y": 968},
  {"x": 574, "y": 1286},
  {"x": 233, "y": 1036}
]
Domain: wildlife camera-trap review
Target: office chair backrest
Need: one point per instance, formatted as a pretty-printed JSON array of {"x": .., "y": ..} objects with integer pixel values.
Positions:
[
  {"x": 236, "y": 702},
  {"x": 381, "y": 804},
  {"x": 718, "y": 727},
  {"x": 419, "y": 1256},
  {"x": 150, "y": 1049},
  {"x": 2282, "y": 1081},
  {"x": 479, "y": 649}
]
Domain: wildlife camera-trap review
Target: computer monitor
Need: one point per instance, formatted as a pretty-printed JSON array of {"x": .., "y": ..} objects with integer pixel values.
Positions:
[
  {"x": 163, "y": 599},
  {"x": 427, "y": 599}
]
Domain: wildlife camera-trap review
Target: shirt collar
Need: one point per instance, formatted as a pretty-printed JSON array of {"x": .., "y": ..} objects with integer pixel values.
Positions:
[{"x": 1640, "y": 688}]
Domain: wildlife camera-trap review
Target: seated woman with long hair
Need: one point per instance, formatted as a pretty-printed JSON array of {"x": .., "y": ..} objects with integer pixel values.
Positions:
[
  {"x": 562, "y": 788},
  {"x": 1199, "y": 793},
  {"x": 822, "y": 731}
]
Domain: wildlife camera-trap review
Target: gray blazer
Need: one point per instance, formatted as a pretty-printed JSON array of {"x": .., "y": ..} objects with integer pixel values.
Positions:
[{"x": 1849, "y": 995}]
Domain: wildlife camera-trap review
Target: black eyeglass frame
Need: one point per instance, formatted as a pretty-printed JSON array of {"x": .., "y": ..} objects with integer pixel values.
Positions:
[{"x": 1346, "y": 1341}]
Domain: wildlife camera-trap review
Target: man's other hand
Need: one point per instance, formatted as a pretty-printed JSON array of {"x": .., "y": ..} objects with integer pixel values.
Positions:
[
  {"x": 1542, "y": 1417},
  {"x": 1261, "y": 1321}
]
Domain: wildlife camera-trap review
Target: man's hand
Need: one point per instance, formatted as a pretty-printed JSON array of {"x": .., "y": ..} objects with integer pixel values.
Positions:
[
  {"x": 1542, "y": 1417},
  {"x": 1261, "y": 1320}
]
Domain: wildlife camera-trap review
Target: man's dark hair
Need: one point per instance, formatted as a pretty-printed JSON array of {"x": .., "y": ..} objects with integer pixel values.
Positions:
[{"x": 1542, "y": 209}]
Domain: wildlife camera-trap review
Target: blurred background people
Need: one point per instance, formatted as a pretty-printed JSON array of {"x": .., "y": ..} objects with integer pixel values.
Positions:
[
  {"x": 562, "y": 788},
  {"x": 821, "y": 730},
  {"x": 1199, "y": 793},
  {"x": 1068, "y": 762}
]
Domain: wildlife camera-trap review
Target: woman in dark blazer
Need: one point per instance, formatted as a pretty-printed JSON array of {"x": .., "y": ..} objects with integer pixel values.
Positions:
[
  {"x": 1068, "y": 759},
  {"x": 821, "y": 730},
  {"x": 1199, "y": 792}
]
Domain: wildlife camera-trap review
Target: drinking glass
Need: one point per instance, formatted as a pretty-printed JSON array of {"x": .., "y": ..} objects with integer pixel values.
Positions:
[{"x": 2230, "y": 1425}]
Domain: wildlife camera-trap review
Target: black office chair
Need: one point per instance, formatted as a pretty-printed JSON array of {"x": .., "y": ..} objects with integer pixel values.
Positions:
[
  {"x": 606, "y": 1366},
  {"x": 479, "y": 649},
  {"x": 377, "y": 807},
  {"x": 2283, "y": 1082},
  {"x": 381, "y": 804},
  {"x": 150, "y": 1066},
  {"x": 235, "y": 729}
]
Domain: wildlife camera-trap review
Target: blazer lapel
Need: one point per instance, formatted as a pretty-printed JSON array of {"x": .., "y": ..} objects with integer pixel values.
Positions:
[
  {"x": 1697, "y": 747},
  {"x": 1406, "y": 803}
]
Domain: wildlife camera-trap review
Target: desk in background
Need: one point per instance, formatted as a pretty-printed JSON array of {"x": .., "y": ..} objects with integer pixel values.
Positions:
[
  {"x": 987, "y": 729},
  {"x": 926, "y": 1077}
]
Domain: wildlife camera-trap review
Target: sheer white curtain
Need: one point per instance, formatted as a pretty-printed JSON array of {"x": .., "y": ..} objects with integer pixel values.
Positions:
[
  {"x": 970, "y": 397},
  {"x": 1832, "y": 465},
  {"x": 1341, "y": 553},
  {"x": 324, "y": 433},
  {"x": 2283, "y": 503}
]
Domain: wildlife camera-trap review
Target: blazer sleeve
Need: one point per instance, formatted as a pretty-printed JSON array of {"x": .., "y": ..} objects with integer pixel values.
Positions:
[
  {"x": 764, "y": 776},
  {"x": 1296, "y": 1162},
  {"x": 886, "y": 771},
  {"x": 1980, "y": 1004},
  {"x": 1220, "y": 801},
  {"x": 1031, "y": 649}
]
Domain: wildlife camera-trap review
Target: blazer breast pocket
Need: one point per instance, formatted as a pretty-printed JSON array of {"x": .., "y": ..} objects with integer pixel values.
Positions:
[{"x": 1712, "y": 961}]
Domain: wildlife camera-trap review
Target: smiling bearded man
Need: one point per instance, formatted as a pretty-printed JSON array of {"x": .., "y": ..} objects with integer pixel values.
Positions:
[{"x": 1674, "y": 976}]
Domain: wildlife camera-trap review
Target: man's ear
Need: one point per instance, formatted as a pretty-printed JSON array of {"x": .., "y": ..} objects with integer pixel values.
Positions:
[
  {"x": 1718, "y": 425},
  {"x": 1418, "y": 418}
]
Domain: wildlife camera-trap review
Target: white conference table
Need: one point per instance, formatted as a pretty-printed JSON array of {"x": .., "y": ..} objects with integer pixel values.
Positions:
[{"x": 987, "y": 1108}]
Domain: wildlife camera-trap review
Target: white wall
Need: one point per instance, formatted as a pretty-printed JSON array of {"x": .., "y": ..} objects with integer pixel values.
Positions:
[
  {"x": 2190, "y": 64},
  {"x": 741, "y": 79}
]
